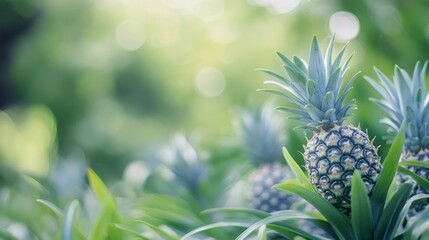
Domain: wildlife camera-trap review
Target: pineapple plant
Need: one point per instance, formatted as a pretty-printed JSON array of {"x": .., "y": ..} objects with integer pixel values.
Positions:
[
  {"x": 405, "y": 99},
  {"x": 337, "y": 157},
  {"x": 336, "y": 149},
  {"x": 260, "y": 132},
  {"x": 186, "y": 164}
]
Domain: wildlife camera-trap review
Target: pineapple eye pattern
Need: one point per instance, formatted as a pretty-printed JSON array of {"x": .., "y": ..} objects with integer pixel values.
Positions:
[{"x": 337, "y": 168}]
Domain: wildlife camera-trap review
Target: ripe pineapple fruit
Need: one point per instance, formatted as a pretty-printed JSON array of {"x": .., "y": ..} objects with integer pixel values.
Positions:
[
  {"x": 336, "y": 150},
  {"x": 260, "y": 134},
  {"x": 406, "y": 99}
]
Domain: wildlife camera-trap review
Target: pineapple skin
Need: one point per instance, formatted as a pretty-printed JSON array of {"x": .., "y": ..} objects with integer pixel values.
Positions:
[
  {"x": 422, "y": 155},
  {"x": 331, "y": 158},
  {"x": 262, "y": 195}
]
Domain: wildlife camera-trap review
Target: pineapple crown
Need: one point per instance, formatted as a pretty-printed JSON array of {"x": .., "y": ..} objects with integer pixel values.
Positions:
[
  {"x": 406, "y": 99},
  {"x": 260, "y": 132},
  {"x": 185, "y": 162},
  {"x": 315, "y": 88}
]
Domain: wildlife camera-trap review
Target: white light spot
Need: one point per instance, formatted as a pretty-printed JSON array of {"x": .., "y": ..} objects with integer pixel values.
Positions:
[
  {"x": 345, "y": 25},
  {"x": 210, "y": 82},
  {"x": 130, "y": 35},
  {"x": 284, "y": 6},
  {"x": 18, "y": 230},
  {"x": 136, "y": 173}
]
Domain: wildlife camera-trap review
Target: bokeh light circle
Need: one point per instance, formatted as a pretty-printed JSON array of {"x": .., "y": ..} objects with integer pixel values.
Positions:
[
  {"x": 210, "y": 82},
  {"x": 130, "y": 35},
  {"x": 345, "y": 25}
]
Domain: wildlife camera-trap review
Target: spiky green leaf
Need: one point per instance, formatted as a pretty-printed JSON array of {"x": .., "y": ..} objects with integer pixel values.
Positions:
[
  {"x": 389, "y": 220},
  {"x": 387, "y": 174},
  {"x": 299, "y": 174},
  {"x": 339, "y": 222},
  {"x": 275, "y": 217},
  {"x": 361, "y": 208}
]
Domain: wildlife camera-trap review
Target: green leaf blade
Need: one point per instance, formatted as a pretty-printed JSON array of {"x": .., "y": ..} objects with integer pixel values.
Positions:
[
  {"x": 390, "y": 164},
  {"x": 302, "y": 177},
  {"x": 389, "y": 220},
  {"x": 361, "y": 208},
  {"x": 339, "y": 222}
]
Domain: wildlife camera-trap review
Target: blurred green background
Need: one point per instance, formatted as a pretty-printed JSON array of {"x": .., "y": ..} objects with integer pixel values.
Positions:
[{"x": 105, "y": 83}]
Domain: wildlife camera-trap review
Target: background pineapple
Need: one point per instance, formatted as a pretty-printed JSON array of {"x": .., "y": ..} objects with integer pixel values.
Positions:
[
  {"x": 406, "y": 99},
  {"x": 261, "y": 134},
  {"x": 336, "y": 150}
]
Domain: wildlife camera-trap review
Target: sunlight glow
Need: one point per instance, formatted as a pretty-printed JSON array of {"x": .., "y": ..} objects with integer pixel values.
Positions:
[
  {"x": 130, "y": 35},
  {"x": 345, "y": 25},
  {"x": 210, "y": 82}
]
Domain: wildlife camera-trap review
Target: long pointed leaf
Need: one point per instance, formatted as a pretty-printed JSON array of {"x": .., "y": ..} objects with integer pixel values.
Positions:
[
  {"x": 49, "y": 205},
  {"x": 69, "y": 220},
  {"x": 254, "y": 212},
  {"x": 216, "y": 225},
  {"x": 339, "y": 222},
  {"x": 378, "y": 197},
  {"x": 389, "y": 220},
  {"x": 302, "y": 177},
  {"x": 421, "y": 181},
  {"x": 275, "y": 217},
  {"x": 165, "y": 235},
  {"x": 101, "y": 191},
  {"x": 361, "y": 208},
  {"x": 131, "y": 231}
]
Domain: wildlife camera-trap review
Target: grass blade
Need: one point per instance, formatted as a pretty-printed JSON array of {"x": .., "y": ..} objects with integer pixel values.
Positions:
[
  {"x": 389, "y": 220},
  {"x": 361, "y": 208},
  {"x": 290, "y": 231},
  {"x": 275, "y": 217},
  {"x": 54, "y": 208},
  {"x": 390, "y": 164},
  {"x": 216, "y": 225},
  {"x": 100, "y": 190},
  {"x": 297, "y": 170},
  {"x": 250, "y": 211},
  {"x": 165, "y": 235},
  {"x": 339, "y": 222},
  {"x": 110, "y": 213},
  {"x": 69, "y": 220},
  {"x": 131, "y": 231}
]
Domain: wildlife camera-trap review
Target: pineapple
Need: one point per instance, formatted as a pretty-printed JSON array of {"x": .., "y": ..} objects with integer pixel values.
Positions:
[
  {"x": 406, "y": 99},
  {"x": 336, "y": 150},
  {"x": 260, "y": 134}
]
